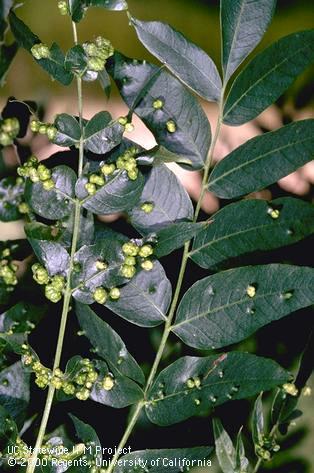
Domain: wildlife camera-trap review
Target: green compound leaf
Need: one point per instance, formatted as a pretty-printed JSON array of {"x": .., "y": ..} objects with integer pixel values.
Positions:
[
  {"x": 225, "y": 450},
  {"x": 228, "y": 307},
  {"x": 108, "y": 344},
  {"x": 219, "y": 378},
  {"x": 87, "y": 434},
  {"x": 186, "y": 60},
  {"x": 118, "y": 194},
  {"x": 171, "y": 202},
  {"x": 263, "y": 160},
  {"x": 56, "y": 203},
  {"x": 69, "y": 131},
  {"x": 191, "y": 134},
  {"x": 14, "y": 391},
  {"x": 7, "y": 54},
  {"x": 26, "y": 39},
  {"x": 267, "y": 77},
  {"x": 11, "y": 193},
  {"x": 145, "y": 300},
  {"x": 258, "y": 421},
  {"x": 164, "y": 461},
  {"x": 125, "y": 392},
  {"x": 87, "y": 277},
  {"x": 173, "y": 237},
  {"x": 52, "y": 255},
  {"x": 243, "y": 24},
  {"x": 102, "y": 133},
  {"x": 252, "y": 225}
]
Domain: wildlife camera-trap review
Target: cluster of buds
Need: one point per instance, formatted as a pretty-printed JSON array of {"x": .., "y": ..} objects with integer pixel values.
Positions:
[
  {"x": 128, "y": 126},
  {"x": 63, "y": 7},
  {"x": 266, "y": 448},
  {"x": 128, "y": 162},
  {"x": 134, "y": 254},
  {"x": 36, "y": 173},
  {"x": 54, "y": 285},
  {"x": 20, "y": 451},
  {"x": 147, "y": 207},
  {"x": 44, "y": 129},
  {"x": 9, "y": 129},
  {"x": 40, "y": 51},
  {"x": 8, "y": 269},
  {"x": 98, "y": 52},
  {"x": 101, "y": 294},
  {"x": 43, "y": 375}
]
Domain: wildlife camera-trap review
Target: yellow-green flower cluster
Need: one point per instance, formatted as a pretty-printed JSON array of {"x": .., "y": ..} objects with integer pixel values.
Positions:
[
  {"x": 98, "y": 52},
  {"x": 8, "y": 269},
  {"x": 40, "y": 51},
  {"x": 128, "y": 126},
  {"x": 36, "y": 173},
  {"x": 44, "y": 129},
  {"x": 266, "y": 448},
  {"x": 54, "y": 285},
  {"x": 133, "y": 254},
  {"x": 9, "y": 129},
  {"x": 128, "y": 162},
  {"x": 101, "y": 294}
]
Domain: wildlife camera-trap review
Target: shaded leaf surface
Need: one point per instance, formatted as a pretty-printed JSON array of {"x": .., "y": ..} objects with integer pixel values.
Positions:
[
  {"x": 52, "y": 255},
  {"x": 69, "y": 132},
  {"x": 225, "y": 450},
  {"x": 224, "y": 377},
  {"x": 14, "y": 391},
  {"x": 144, "y": 301},
  {"x": 102, "y": 134},
  {"x": 243, "y": 24},
  {"x": 10, "y": 196},
  {"x": 173, "y": 237},
  {"x": 248, "y": 226},
  {"x": 7, "y": 54},
  {"x": 56, "y": 203},
  {"x": 217, "y": 311},
  {"x": 263, "y": 160},
  {"x": 186, "y": 60},
  {"x": 171, "y": 202},
  {"x": 108, "y": 343},
  {"x": 191, "y": 138},
  {"x": 267, "y": 77}
]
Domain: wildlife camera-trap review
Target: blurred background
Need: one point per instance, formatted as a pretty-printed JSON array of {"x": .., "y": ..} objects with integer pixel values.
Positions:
[{"x": 284, "y": 341}]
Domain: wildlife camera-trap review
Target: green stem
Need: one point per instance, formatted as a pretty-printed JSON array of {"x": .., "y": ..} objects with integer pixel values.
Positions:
[
  {"x": 172, "y": 311},
  {"x": 68, "y": 291}
]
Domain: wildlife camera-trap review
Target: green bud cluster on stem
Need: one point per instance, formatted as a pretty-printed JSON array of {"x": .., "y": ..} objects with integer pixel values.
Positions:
[
  {"x": 36, "y": 173},
  {"x": 9, "y": 129}
]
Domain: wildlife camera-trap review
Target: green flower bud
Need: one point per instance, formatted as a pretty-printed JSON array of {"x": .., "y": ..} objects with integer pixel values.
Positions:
[
  {"x": 130, "y": 164},
  {"x": 120, "y": 162},
  {"x": 157, "y": 104},
  {"x": 35, "y": 125},
  {"x": 40, "y": 274},
  {"x": 147, "y": 265},
  {"x": 130, "y": 261},
  {"x": 98, "y": 180},
  {"x": 63, "y": 7},
  {"x": 104, "y": 48},
  {"x": 114, "y": 293},
  {"x": 6, "y": 252},
  {"x": 52, "y": 294},
  {"x": 22, "y": 171},
  {"x": 145, "y": 251},
  {"x": 32, "y": 161},
  {"x": 56, "y": 382},
  {"x": 128, "y": 271},
  {"x": 58, "y": 373},
  {"x": 48, "y": 185},
  {"x": 129, "y": 127},
  {"x": 130, "y": 249},
  {"x": 171, "y": 126},
  {"x": 27, "y": 360},
  {"x": 58, "y": 282},
  {"x": 133, "y": 174},
  {"x": 5, "y": 139},
  {"x": 101, "y": 265},
  {"x": 40, "y": 51},
  {"x": 123, "y": 120},
  {"x": 69, "y": 389},
  {"x": 100, "y": 295},
  {"x": 92, "y": 376},
  {"x": 43, "y": 173},
  {"x": 42, "y": 382},
  {"x": 90, "y": 49},
  {"x": 108, "y": 383},
  {"x": 11, "y": 126},
  {"x": 291, "y": 389},
  {"x": 33, "y": 175},
  {"x": 91, "y": 188},
  {"x": 83, "y": 394},
  {"x": 43, "y": 129},
  {"x": 108, "y": 169},
  {"x": 51, "y": 132},
  {"x": 147, "y": 207},
  {"x": 95, "y": 64}
]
